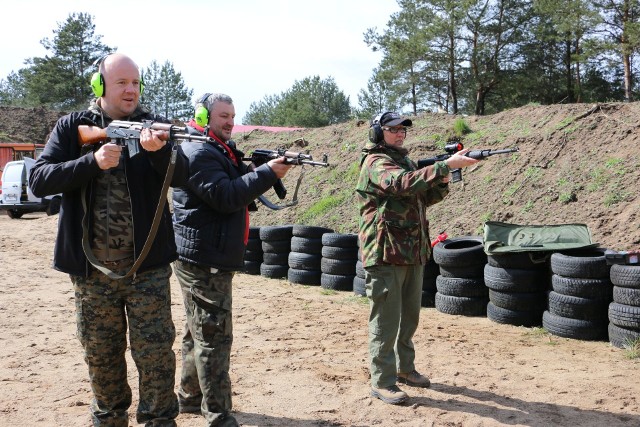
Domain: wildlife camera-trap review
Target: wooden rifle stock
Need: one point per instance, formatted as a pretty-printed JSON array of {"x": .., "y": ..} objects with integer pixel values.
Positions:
[{"x": 91, "y": 134}]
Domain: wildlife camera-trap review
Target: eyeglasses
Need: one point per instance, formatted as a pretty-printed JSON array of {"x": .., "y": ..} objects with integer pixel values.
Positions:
[{"x": 395, "y": 130}]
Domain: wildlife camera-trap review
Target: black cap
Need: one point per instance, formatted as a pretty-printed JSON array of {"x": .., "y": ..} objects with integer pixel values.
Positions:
[{"x": 394, "y": 119}]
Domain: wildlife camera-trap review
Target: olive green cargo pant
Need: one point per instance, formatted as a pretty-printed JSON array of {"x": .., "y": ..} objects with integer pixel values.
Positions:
[{"x": 395, "y": 295}]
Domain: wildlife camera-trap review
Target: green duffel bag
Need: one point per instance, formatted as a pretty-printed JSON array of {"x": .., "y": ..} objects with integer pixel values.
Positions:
[{"x": 501, "y": 237}]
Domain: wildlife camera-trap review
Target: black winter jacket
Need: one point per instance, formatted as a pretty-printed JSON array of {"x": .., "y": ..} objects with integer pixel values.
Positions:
[
  {"x": 63, "y": 167},
  {"x": 210, "y": 212}
]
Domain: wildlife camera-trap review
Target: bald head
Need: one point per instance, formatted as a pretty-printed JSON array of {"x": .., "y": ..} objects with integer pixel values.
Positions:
[{"x": 121, "y": 86}]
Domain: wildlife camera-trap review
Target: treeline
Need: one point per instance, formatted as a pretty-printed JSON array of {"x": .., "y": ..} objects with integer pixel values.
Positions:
[
  {"x": 455, "y": 56},
  {"x": 485, "y": 56}
]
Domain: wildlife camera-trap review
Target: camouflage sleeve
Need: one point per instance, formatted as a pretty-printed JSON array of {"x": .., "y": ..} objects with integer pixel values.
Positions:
[
  {"x": 437, "y": 192},
  {"x": 387, "y": 176}
]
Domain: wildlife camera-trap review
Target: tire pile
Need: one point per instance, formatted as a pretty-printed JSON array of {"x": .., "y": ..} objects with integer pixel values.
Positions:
[
  {"x": 582, "y": 292},
  {"x": 624, "y": 311},
  {"x": 359, "y": 281},
  {"x": 276, "y": 245},
  {"x": 518, "y": 284},
  {"x": 306, "y": 254},
  {"x": 339, "y": 258},
  {"x": 429, "y": 288},
  {"x": 253, "y": 252},
  {"x": 460, "y": 287}
]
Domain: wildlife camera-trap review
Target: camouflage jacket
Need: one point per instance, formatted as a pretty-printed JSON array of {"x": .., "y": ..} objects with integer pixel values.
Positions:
[{"x": 392, "y": 195}]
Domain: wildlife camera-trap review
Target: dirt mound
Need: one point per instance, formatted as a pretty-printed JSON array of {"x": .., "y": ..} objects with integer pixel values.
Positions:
[{"x": 27, "y": 124}]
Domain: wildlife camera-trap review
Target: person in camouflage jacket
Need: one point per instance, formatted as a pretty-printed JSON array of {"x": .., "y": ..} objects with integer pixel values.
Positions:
[{"x": 394, "y": 243}]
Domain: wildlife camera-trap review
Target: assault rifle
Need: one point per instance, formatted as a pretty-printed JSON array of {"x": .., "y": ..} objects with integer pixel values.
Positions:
[
  {"x": 451, "y": 149},
  {"x": 262, "y": 156},
  {"x": 127, "y": 134}
]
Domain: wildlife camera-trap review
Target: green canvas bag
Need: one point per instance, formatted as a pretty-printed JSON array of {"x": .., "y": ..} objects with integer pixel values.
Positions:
[{"x": 501, "y": 237}]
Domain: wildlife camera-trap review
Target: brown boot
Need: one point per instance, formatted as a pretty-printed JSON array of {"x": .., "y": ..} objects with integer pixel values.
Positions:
[
  {"x": 414, "y": 379},
  {"x": 392, "y": 395}
]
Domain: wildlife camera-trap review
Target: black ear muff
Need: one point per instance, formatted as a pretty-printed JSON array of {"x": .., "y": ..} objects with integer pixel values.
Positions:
[
  {"x": 375, "y": 130},
  {"x": 201, "y": 113}
]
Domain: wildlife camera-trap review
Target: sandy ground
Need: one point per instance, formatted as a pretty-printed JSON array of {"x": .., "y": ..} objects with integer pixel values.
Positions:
[{"x": 300, "y": 358}]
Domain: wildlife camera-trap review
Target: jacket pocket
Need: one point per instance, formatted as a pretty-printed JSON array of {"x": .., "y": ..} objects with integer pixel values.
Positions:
[{"x": 399, "y": 241}]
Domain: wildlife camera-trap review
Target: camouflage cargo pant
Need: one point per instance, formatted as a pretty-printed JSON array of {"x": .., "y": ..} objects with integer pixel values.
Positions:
[
  {"x": 206, "y": 343},
  {"x": 395, "y": 295},
  {"x": 104, "y": 307}
]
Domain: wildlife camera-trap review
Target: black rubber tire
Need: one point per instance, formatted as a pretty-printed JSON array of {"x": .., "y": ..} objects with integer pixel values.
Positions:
[
  {"x": 336, "y": 282},
  {"x": 276, "y": 246},
  {"x": 54, "y": 206},
  {"x": 359, "y": 287},
  {"x": 254, "y": 245},
  {"x": 519, "y": 301},
  {"x": 626, "y": 316},
  {"x": 513, "y": 317},
  {"x": 253, "y": 255},
  {"x": 360, "y": 272},
  {"x": 513, "y": 280},
  {"x": 583, "y": 288},
  {"x": 274, "y": 271},
  {"x": 626, "y": 296},
  {"x": 460, "y": 251},
  {"x": 307, "y": 245},
  {"x": 521, "y": 260},
  {"x": 461, "y": 287},
  {"x": 304, "y": 261},
  {"x": 583, "y": 264},
  {"x": 622, "y": 337},
  {"x": 574, "y": 328},
  {"x": 340, "y": 240},
  {"x": 276, "y": 258},
  {"x": 464, "y": 306},
  {"x": 14, "y": 213},
  {"x": 309, "y": 231},
  {"x": 276, "y": 232},
  {"x": 252, "y": 267},
  {"x": 627, "y": 276},
  {"x": 344, "y": 267},
  {"x": 472, "y": 271},
  {"x": 578, "y": 308},
  {"x": 336, "y": 252},
  {"x": 428, "y": 298},
  {"x": 304, "y": 277}
]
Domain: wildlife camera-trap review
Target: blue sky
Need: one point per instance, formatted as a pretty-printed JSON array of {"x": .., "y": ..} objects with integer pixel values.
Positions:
[{"x": 247, "y": 49}]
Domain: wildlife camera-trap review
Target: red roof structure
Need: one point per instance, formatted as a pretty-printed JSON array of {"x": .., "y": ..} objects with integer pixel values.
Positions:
[{"x": 249, "y": 128}]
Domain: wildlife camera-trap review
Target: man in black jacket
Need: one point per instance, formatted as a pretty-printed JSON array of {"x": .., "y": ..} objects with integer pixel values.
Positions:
[
  {"x": 211, "y": 223},
  {"x": 108, "y": 205}
]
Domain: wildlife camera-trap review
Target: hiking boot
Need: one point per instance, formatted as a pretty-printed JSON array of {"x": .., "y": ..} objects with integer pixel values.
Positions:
[
  {"x": 392, "y": 395},
  {"x": 414, "y": 379}
]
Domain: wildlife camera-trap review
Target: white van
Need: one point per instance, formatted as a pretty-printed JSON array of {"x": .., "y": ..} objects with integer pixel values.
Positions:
[{"x": 16, "y": 198}]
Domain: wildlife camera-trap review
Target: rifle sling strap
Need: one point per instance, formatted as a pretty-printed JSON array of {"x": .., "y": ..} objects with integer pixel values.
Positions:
[
  {"x": 152, "y": 232},
  {"x": 263, "y": 199}
]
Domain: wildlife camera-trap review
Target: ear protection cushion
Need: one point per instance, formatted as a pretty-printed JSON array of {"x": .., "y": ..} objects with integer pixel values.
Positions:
[
  {"x": 375, "y": 131},
  {"x": 97, "y": 84},
  {"x": 201, "y": 114}
]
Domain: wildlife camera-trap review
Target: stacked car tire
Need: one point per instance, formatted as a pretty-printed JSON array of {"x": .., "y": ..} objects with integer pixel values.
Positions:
[
  {"x": 253, "y": 252},
  {"x": 359, "y": 281},
  {"x": 276, "y": 245},
  {"x": 518, "y": 284},
  {"x": 429, "y": 287},
  {"x": 460, "y": 286},
  {"x": 581, "y": 295},
  {"x": 624, "y": 311},
  {"x": 339, "y": 259},
  {"x": 306, "y": 254}
]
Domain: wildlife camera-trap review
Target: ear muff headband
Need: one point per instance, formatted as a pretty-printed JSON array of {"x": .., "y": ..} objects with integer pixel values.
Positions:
[
  {"x": 97, "y": 80},
  {"x": 201, "y": 114},
  {"x": 375, "y": 131}
]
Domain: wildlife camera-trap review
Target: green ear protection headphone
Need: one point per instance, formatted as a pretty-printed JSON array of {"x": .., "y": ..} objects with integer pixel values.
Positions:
[
  {"x": 375, "y": 130},
  {"x": 97, "y": 80},
  {"x": 201, "y": 115}
]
